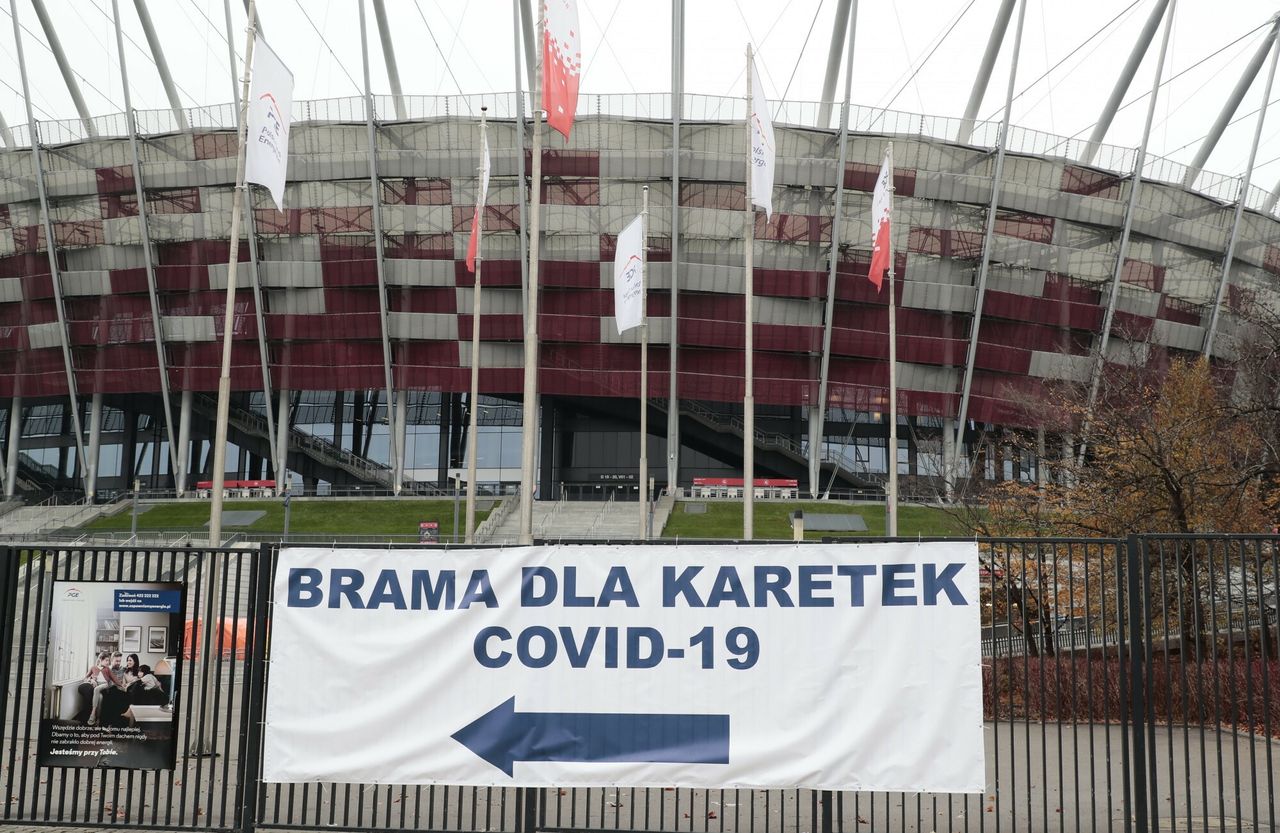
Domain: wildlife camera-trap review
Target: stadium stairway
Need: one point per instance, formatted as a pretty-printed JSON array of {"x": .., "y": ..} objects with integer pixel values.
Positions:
[
  {"x": 50, "y": 517},
  {"x": 308, "y": 454},
  {"x": 573, "y": 520}
]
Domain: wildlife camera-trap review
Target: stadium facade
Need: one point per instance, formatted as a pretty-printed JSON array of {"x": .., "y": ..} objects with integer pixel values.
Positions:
[{"x": 311, "y": 319}]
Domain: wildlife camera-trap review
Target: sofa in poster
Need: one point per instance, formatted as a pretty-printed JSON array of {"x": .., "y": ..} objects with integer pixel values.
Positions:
[{"x": 111, "y": 675}]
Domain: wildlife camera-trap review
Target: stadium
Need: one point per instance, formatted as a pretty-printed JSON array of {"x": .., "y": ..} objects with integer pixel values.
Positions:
[{"x": 111, "y": 317}]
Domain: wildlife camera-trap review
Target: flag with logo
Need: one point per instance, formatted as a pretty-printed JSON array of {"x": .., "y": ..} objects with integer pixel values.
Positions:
[
  {"x": 628, "y": 277},
  {"x": 266, "y": 157},
  {"x": 763, "y": 149},
  {"x": 881, "y": 208},
  {"x": 561, "y": 63},
  {"x": 473, "y": 245}
]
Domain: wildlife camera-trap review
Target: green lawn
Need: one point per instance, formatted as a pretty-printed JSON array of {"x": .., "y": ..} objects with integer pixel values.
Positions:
[
  {"x": 723, "y": 519},
  {"x": 327, "y": 516}
]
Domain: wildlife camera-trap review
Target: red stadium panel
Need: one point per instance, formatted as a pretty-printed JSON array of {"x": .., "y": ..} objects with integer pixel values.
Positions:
[
  {"x": 860, "y": 176},
  {"x": 1091, "y": 183},
  {"x": 416, "y": 191},
  {"x": 493, "y": 273},
  {"x": 1183, "y": 312},
  {"x": 566, "y": 162},
  {"x": 789, "y": 283},
  {"x": 439, "y": 299},
  {"x": 1143, "y": 274}
]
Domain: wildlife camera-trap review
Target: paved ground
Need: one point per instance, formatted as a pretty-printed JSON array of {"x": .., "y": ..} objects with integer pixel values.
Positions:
[{"x": 1041, "y": 779}]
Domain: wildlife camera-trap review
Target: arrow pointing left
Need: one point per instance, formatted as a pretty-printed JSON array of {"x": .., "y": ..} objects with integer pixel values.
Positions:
[{"x": 503, "y": 736}]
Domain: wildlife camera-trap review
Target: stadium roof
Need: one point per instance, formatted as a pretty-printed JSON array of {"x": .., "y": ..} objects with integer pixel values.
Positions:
[{"x": 917, "y": 57}]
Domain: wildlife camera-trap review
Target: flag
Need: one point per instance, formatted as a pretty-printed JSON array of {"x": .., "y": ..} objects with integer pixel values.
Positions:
[
  {"x": 881, "y": 208},
  {"x": 561, "y": 63},
  {"x": 474, "y": 243},
  {"x": 267, "y": 140},
  {"x": 628, "y": 277},
  {"x": 763, "y": 149}
]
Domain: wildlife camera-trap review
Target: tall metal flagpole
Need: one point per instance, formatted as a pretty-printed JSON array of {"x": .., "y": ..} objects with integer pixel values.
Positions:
[
  {"x": 529, "y": 428},
  {"x": 224, "y": 379},
  {"x": 748, "y": 396},
  {"x": 204, "y": 745},
  {"x": 473, "y": 421},
  {"x": 891, "y": 493},
  {"x": 644, "y": 366}
]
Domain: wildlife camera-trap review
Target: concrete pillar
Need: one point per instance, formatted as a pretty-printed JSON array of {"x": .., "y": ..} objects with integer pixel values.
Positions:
[
  {"x": 949, "y": 459},
  {"x": 442, "y": 464},
  {"x": 339, "y": 397},
  {"x": 1042, "y": 474},
  {"x": 15, "y": 436},
  {"x": 282, "y": 441},
  {"x": 545, "y": 478},
  {"x": 402, "y": 413},
  {"x": 95, "y": 446},
  {"x": 156, "y": 442},
  {"x": 184, "y": 443}
]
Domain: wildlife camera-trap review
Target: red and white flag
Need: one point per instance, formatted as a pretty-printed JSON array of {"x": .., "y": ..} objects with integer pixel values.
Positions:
[
  {"x": 881, "y": 208},
  {"x": 473, "y": 245},
  {"x": 561, "y": 63}
]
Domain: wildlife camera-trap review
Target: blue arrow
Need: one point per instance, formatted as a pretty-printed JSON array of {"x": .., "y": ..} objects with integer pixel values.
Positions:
[{"x": 503, "y": 736}]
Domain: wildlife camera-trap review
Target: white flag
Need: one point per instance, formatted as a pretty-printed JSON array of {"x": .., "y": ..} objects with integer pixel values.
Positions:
[
  {"x": 267, "y": 142},
  {"x": 763, "y": 149},
  {"x": 628, "y": 277}
]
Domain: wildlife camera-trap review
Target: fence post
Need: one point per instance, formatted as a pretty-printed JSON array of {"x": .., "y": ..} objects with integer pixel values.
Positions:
[
  {"x": 252, "y": 722},
  {"x": 1135, "y": 598},
  {"x": 8, "y": 614},
  {"x": 527, "y": 814},
  {"x": 825, "y": 804}
]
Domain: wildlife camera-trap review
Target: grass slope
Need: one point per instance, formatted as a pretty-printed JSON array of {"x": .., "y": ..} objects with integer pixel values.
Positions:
[
  {"x": 338, "y": 517},
  {"x": 723, "y": 519}
]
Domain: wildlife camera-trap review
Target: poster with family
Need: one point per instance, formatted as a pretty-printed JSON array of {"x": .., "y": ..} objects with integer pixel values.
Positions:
[{"x": 111, "y": 675}]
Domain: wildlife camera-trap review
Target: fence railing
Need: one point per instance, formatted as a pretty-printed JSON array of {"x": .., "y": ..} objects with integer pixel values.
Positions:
[
  {"x": 1131, "y": 685},
  {"x": 695, "y": 107}
]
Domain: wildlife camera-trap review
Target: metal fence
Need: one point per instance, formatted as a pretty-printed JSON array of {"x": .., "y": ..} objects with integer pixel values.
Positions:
[
  {"x": 207, "y": 788},
  {"x": 1128, "y": 685}
]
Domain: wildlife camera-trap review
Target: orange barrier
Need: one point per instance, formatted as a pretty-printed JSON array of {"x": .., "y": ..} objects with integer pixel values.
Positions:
[{"x": 235, "y": 635}]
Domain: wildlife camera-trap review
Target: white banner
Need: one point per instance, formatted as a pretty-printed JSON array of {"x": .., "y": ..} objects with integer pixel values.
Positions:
[
  {"x": 763, "y": 149},
  {"x": 267, "y": 142},
  {"x": 820, "y": 666},
  {"x": 628, "y": 276}
]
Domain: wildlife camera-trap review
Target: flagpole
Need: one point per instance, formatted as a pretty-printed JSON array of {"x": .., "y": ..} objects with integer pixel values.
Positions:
[
  {"x": 474, "y": 418},
  {"x": 224, "y": 379},
  {"x": 644, "y": 366},
  {"x": 529, "y": 426},
  {"x": 891, "y": 493},
  {"x": 204, "y": 745},
  {"x": 748, "y": 397}
]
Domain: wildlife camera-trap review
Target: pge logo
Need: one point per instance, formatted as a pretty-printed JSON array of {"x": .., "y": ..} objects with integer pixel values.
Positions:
[{"x": 72, "y": 593}]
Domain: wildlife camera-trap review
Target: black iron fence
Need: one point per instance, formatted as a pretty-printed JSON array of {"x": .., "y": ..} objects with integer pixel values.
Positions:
[{"x": 1129, "y": 685}]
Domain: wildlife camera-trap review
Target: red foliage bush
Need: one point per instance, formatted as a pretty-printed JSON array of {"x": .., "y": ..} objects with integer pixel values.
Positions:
[{"x": 1228, "y": 691}]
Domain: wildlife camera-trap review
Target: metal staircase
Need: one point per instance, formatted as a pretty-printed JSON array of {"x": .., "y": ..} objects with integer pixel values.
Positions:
[
  {"x": 764, "y": 440},
  {"x": 322, "y": 451}
]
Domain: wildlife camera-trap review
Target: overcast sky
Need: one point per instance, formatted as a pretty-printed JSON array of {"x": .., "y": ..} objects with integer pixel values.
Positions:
[{"x": 447, "y": 46}]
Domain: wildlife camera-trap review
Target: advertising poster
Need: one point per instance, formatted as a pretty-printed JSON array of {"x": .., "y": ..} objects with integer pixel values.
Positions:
[
  {"x": 823, "y": 666},
  {"x": 111, "y": 675}
]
